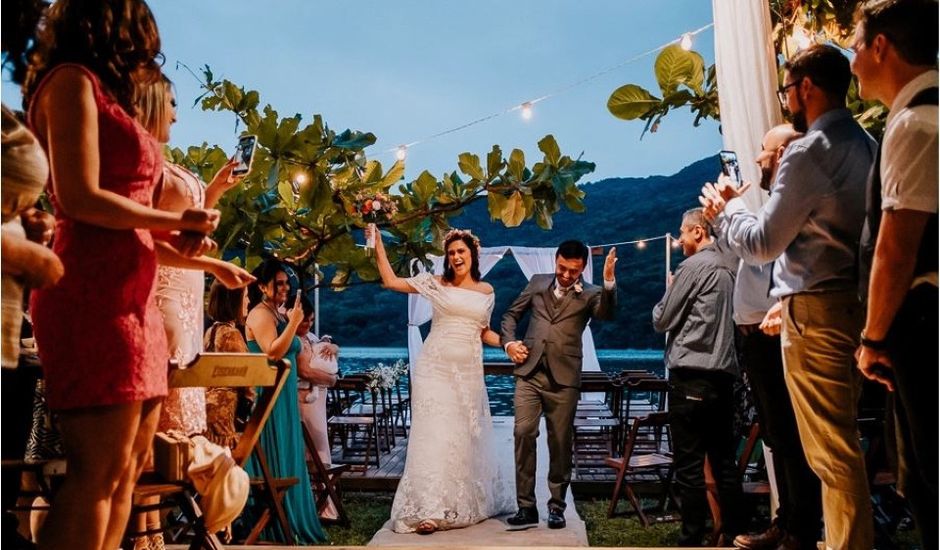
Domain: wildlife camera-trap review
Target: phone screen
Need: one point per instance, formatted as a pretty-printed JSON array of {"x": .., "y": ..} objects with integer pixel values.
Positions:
[
  {"x": 729, "y": 165},
  {"x": 244, "y": 154}
]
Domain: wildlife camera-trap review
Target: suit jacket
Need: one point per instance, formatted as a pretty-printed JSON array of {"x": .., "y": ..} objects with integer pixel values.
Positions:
[{"x": 556, "y": 325}]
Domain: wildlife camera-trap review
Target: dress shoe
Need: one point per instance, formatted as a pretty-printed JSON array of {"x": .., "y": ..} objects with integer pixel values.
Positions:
[
  {"x": 525, "y": 516},
  {"x": 759, "y": 541},
  {"x": 556, "y": 518}
]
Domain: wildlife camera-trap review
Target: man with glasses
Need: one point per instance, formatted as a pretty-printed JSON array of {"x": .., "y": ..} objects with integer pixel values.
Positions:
[
  {"x": 895, "y": 62},
  {"x": 695, "y": 313},
  {"x": 798, "y": 520},
  {"x": 811, "y": 225}
]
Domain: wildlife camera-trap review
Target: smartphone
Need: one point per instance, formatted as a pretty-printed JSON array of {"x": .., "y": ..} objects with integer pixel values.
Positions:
[
  {"x": 244, "y": 154},
  {"x": 729, "y": 166}
]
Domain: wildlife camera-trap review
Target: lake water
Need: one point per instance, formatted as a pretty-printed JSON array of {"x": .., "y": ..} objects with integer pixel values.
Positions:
[{"x": 499, "y": 387}]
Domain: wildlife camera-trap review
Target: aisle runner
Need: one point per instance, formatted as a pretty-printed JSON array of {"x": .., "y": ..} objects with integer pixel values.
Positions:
[{"x": 493, "y": 532}]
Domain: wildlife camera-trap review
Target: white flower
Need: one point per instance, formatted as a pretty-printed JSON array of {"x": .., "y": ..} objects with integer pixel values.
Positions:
[
  {"x": 578, "y": 288},
  {"x": 376, "y": 204}
]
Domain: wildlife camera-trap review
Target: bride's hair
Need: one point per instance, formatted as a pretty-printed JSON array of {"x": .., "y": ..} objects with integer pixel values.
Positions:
[{"x": 472, "y": 242}]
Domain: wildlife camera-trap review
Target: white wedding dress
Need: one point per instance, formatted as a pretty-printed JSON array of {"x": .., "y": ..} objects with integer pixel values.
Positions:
[{"x": 452, "y": 472}]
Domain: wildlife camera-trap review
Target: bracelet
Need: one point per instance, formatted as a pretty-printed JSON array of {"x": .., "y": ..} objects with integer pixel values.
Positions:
[{"x": 877, "y": 345}]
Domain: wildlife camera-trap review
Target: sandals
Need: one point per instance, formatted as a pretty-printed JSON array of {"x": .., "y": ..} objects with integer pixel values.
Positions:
[{"x": 426, "y": 527}]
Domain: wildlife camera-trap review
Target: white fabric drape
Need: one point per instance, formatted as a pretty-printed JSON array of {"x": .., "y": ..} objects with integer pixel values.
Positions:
[
  {"x": 542, "y": 260},
  {"x": 419, "y": 308},
  {"x": 747, "y": 84}
]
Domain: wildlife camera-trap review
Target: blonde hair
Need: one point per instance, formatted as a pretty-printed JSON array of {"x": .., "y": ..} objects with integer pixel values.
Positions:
[{"x": 152, "y": 105}]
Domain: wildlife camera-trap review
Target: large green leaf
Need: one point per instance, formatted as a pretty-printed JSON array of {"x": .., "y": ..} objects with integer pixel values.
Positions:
[
  {"x": 495, "y": 203},
  {"x": 514, "y": 210},
  {"x": 470, "y": 164},
  {"x": 549, "y": 146},
  {"x": 630, "y": 102},
  {"x": 494, "y": 161},
  {"x": 697, "y": 76},
  {"x": 425, "y": 186},
  {"x": 674, "y": 66},
  {"x": 517, "y": 164},
  {"x": 394, "y": 174}
]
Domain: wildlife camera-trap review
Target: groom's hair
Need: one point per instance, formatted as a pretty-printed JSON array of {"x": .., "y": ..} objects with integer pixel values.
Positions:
[{"x": 573, "y": 250}]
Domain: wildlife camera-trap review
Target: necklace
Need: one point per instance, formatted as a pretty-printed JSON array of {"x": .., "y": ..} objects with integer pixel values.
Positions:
[{"x": 273, "y": 309}]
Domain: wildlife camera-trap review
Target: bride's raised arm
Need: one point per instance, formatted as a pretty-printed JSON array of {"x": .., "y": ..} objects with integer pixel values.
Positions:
[{"x": 389, "y": 279}]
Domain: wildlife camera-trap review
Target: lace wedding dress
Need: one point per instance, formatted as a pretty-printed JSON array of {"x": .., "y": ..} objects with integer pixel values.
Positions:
[{"x": 452, "y": 470}]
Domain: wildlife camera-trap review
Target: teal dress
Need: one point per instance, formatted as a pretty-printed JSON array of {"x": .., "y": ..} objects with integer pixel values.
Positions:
[{"x": 283, "y": 444}]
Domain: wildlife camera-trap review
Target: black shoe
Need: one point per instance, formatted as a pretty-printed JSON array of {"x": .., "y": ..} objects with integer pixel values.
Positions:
[
  {"x": 556, "y": 518},
  {"x": 769, "y": 539},
  {"x": 525, "y": 516}
]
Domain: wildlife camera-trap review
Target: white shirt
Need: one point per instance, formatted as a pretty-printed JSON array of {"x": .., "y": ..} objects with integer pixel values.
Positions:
[{"x": 909, "y": 151}]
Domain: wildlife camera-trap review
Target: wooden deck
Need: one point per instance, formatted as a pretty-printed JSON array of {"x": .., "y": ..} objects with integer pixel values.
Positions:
[{"x": 590, "y": 476}]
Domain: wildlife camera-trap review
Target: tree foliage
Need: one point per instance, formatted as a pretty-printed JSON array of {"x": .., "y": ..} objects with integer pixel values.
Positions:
[
  {"x": 298, "y": 202},
  {"x": 684, "y": 81}
]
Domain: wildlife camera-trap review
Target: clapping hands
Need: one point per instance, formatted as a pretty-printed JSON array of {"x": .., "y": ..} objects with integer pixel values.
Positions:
[{"x": 715, "y": 196}]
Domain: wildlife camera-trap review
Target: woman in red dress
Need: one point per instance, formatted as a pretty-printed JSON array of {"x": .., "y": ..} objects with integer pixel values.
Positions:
[{"x": 100, "y": 335}]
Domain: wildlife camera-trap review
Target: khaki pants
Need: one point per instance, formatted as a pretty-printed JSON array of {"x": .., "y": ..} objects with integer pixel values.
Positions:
[{"x": 819, "y": 338}]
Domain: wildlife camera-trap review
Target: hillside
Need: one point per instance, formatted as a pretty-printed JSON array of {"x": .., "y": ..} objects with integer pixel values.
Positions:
[{"x": 618, "y": 209}]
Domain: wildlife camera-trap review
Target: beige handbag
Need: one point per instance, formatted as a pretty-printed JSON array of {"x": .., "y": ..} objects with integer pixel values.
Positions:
[{"x": 172, "y": 454}]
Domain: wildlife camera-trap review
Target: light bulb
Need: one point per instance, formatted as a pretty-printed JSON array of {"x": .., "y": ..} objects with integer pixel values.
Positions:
[
  {"x": 300, "y": 178},
  {"x": 402, "y": 152},
  {"x": 641, "y": 245},
  {"x": 676, "y": 243},
  {"x": 686, "y": 42},
  {"x": 527, "y": 110}
]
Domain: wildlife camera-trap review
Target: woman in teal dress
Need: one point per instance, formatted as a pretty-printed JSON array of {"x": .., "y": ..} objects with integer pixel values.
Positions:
[{"x": 270, "y": 330}]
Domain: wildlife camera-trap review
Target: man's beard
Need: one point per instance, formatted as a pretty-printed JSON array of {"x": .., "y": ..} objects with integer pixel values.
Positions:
[
  {"x": 799, "y": 118},
  {"x": 766, "y": 177}
]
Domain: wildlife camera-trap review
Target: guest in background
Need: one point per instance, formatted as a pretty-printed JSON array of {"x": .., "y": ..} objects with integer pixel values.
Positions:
[
  {"x": 695, "y": 313},
  {"x": 896, "y": 63},
  {"x": 317, "y": 369},
  {"x": 100, "y": 337},
  {"x": 272, "y": 331},
  {"x": 228, "y": 309}
]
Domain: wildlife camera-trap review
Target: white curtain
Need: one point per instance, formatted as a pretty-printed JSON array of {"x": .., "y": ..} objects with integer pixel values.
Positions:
[
  {"x": 542, "y": 260},
  {"x": 419, "y": 308},
  {"x": 747, "y": 84}
]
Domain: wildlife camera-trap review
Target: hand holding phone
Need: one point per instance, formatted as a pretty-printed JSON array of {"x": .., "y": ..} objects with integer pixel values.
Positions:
[
  {"x": 244, "y": 154},
  {"x": 730, "y": 166}
]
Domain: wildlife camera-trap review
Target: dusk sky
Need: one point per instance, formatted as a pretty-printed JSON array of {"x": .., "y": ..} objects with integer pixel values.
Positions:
[{"x": 406, "y": 70}]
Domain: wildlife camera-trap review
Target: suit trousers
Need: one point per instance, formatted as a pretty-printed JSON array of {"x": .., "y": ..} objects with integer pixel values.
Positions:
[
  {"x": 535, "y": 394},
  {"x": 701, "y": 417},
  {"x": 800, "y": 511},
  {"x": 912, "y": 344},
  {"x": 819, "y": 338}
]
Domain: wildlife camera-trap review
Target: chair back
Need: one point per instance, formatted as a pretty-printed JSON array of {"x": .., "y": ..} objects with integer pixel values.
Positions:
[
  {"x": 237, "y": 370},
  {"x": 648, "y": 434}
]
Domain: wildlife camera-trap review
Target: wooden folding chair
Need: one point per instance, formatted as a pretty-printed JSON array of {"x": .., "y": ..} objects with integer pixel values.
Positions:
[
  {"x": 363, "y": 409},
  {"x": 232, "y": 370},
  {"x": 748, "y": 487},
  {"x": 647, "y": 456},
  {"x": 324, "y": 480}
]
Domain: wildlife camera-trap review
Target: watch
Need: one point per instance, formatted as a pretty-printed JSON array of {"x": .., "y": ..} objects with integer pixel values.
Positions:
[{"x": 878, "y": 345}]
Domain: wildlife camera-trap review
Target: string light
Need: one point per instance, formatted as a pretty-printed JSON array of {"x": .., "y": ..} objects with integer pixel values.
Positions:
[
  {"x": 676, "y": 243},
  {"x": 525, "y": 108},
  {"x": 300, "y": 178},
  {"x": 641, "y": 245}
]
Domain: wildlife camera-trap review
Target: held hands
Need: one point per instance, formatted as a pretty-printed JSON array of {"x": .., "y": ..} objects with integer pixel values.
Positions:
[
  {"x": 609, "y": 264},
  {"x": 517, "y": 352},
  {"x": 199, "y": 220},
  {"x": 773, "y": 320}
]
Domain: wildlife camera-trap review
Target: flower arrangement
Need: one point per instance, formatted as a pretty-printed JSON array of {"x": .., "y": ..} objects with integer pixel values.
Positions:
[
  {"x": 386, "y": 376},
  {"x": 374, "y": 209}
]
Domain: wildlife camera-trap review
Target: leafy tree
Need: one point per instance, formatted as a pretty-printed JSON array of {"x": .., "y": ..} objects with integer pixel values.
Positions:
[
  {"x": 299, "y": 201},
  {"x": 685, "y": 81}
]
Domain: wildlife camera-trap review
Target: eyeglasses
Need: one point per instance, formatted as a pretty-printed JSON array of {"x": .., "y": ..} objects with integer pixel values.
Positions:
[{"x": 782, "y": 92}]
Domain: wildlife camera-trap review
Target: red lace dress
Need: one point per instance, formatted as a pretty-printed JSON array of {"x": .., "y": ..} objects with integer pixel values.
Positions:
[{"x": 99, "y": 332}]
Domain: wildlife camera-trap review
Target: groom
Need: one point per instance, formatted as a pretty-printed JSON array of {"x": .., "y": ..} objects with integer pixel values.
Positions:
[{"x": 548, "y": 370}]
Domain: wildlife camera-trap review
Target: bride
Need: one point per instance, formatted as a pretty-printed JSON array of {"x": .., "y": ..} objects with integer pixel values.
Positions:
[{"x": 452, "y": 472}]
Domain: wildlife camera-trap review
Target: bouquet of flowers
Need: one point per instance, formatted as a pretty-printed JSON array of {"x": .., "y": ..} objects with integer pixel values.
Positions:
[
  {"x": 374, "y": 209},
  {"x": 386, "y": 376}
]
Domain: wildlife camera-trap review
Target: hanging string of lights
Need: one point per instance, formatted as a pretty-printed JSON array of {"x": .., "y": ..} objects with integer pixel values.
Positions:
[{"x": 525, "y": 108}]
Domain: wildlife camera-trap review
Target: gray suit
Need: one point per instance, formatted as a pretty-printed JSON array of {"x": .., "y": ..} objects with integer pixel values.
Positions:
[{"x": 549, "y": 379}]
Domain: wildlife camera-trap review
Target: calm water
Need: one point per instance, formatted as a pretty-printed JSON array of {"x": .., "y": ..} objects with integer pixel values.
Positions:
[{"x": 500, "y": 388}]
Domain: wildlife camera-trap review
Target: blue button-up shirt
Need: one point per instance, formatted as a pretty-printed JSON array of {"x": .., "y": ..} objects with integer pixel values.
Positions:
[{"x": 814, "y": 216}]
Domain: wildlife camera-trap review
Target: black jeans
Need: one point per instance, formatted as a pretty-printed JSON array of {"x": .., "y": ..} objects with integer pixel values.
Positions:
[
  {"x": 800, "y": 491},
  {"x": 913, "y": 348},
  {"x": 701, "y": 415}
]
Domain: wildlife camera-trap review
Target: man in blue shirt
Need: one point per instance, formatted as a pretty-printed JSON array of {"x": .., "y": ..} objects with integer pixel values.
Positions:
[{"x": 813, "y": 221}]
